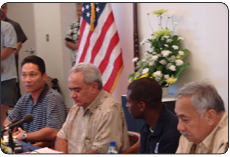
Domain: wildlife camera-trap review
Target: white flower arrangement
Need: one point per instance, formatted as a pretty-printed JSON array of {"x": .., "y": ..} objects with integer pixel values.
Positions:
[{"x": 164, "y": 62}]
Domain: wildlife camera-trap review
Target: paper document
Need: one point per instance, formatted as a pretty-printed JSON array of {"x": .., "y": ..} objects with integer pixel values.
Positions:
[{"x": 45, "y": 150}]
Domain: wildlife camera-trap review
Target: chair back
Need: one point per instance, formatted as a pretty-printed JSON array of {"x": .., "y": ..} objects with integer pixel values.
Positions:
[{"x": 134, "y": 139}]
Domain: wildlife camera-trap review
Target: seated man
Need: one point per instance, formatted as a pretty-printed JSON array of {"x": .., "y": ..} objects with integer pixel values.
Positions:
[
  {"x": 203, "y": 121},
  {"x": 45, "y": 104},
  {"x": 159, "y": 134},
  {"x": 95, "y": 119}
]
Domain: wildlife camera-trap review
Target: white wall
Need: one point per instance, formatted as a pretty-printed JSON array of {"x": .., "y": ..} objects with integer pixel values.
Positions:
[
  {"x": 15, "y": 12},
  {"x": 67, "y": 16},
  {"x": 204, "y": 27},
  {"x": 54, "y": 23}
]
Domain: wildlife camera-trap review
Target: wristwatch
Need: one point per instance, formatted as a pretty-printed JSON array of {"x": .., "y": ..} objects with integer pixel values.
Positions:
[{"x": 24, "y": 136}]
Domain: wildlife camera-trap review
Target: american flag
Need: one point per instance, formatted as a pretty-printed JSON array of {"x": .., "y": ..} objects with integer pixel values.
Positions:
[{"x": 99, "y": 42}]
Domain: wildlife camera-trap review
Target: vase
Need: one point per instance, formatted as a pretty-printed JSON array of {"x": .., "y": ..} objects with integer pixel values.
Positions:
[{"x": 165, "y": 91}]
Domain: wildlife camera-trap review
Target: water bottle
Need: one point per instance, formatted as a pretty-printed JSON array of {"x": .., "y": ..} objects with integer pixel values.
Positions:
[{"x": 112, "y": 148}]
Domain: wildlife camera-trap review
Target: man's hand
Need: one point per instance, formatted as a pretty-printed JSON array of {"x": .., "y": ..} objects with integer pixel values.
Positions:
[{"x": 19, "y": 133}]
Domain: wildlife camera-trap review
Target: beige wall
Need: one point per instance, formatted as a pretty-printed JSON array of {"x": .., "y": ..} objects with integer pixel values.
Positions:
[{"x": 204, "y": 27}]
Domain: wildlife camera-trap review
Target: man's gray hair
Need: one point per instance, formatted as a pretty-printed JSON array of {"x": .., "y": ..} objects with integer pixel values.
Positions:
[
  {"x": 91, "y": 73},
  {"x": 204, "y": 96}
]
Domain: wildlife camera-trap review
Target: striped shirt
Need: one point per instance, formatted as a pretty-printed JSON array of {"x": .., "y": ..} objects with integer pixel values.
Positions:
[
  {"x": 48, "y": 111},
  {"x": 8, "y": 39}
]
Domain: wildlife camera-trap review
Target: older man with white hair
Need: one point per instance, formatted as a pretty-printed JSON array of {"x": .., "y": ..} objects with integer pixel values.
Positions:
[{"x": 203, "y": 121}]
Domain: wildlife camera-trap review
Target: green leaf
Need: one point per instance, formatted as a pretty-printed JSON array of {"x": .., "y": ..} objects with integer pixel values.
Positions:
[
  {"x": 160, "y": 67},
  {"x": 180, "y": 69},
  {"x": 131, "y": 75}
]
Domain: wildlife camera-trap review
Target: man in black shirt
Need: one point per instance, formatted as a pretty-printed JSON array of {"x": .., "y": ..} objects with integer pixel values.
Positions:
[{"x": 159, "y": 133}]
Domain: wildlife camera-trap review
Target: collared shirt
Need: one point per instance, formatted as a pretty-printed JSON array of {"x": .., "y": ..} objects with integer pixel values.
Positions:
[
  {"x": 48, "y": 111},
  {"x": 93, "y": 128},
  {"x": 215, "y": 142},
  {"x": 21, "y": 37},
  {"x": 72, "y": 36},
  {"x": 165, "y": 136},
  {"x": 8, "y": 39}
]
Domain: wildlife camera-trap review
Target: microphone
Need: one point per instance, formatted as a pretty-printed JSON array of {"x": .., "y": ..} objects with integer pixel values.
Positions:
[
  {"x": 7, "y": 125},
  {"x": 27, "y": 119}
]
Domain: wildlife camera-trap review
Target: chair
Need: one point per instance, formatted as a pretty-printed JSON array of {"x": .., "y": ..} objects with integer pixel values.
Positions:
[
  {"x": 134, "y": 139},
  {"x": 53, "y": 83}
]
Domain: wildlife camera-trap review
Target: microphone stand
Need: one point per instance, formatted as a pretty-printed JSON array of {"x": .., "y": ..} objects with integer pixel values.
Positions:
[{"x": 11, "y": 141}]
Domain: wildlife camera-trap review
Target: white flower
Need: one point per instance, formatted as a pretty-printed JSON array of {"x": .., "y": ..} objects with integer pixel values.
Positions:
[
  {"x": 172, "y": 67},
  {"x": 138, "y": 73},
  {"x": 181, "y": 53},
  {"x": 170, "y": 14},
  {"x": 179, "y": 62},
  {"x": 176, "y": 23},
  {"x": 175, "y": 47},
  {"x": 168, "y": 65},
  {"x": 172, "y": 58},
  {"x": 144, "y": 71},
  {"x": 158, "y": 75},
  {"x": 165, "y": 53},
  {"x": 154, "y": 37},
  {"x": 180, "y": 38},
  {"x": 155, "y": 57},
  {"x": 147, "y": 55},
  {"x": 151, "y": 63},
  {"x": 135, "y": 59},
  {"x": 143, "y": 41},
  {"x": 166, "y": 45},
  {"x": 166, "y": 36},
  {"x": 163, "y": 62},
  {"x": 166, "y": 76},
  {"x": 169, "y": 40}
]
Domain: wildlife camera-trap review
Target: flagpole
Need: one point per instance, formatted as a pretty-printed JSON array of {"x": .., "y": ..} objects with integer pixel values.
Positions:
[{"x": 135, "y": 33}]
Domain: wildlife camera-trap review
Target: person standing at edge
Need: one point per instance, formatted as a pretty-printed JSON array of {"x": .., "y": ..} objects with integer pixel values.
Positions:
[
  {"x": 8, "y": 68},
  {"x": 71, "y": 39},
  {"x": 21, "y": 38}
]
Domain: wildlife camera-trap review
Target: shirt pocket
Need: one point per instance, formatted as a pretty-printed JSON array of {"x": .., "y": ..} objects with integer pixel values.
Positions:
[{"x": 88, "y": 144}]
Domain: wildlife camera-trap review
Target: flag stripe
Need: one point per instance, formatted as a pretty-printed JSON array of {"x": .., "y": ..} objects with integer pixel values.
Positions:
[
  {"x": 85, "y": 47},
  {"x": 96, "y": 35},
  {"x": 83, "y": 23},
  {"x": 84, "y": 32},
  {"x": 101, "y": 54},
  {"x": 101, "y": 46},
  {"x": 113, "y": 43},
  {"x": 110, "y": 66},
  {"x": 117, "y": 65},
  {"x": 100, "y": 40}
]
